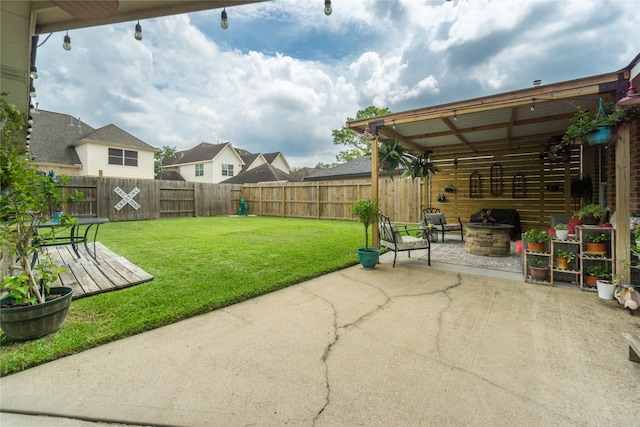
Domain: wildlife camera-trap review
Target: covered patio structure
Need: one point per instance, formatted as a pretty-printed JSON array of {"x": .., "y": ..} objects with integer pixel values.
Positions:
[{"x": 495, "y": 150}]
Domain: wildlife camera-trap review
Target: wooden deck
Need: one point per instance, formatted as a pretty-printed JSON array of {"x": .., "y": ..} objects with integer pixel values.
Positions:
[{"x": 88, "y": 277}]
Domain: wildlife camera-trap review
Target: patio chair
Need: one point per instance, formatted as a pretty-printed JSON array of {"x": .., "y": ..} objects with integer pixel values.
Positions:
[
  {"x": 391, "y": 238},
  {"x": 438, "y": 221}
]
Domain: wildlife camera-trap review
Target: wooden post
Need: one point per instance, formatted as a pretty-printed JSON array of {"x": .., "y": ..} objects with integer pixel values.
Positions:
[
  {"x": 623, "y": 200},
  {"x": 374, "y": 188}
]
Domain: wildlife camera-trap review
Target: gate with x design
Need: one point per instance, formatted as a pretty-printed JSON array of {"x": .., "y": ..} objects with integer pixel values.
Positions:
[{"x": 129, "y": 199}]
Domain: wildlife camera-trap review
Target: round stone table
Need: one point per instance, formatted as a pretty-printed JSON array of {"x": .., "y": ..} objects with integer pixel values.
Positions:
[{"x": 487, "y": 240}]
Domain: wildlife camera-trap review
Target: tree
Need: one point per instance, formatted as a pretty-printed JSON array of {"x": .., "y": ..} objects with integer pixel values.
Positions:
[
  {"x": 162, "y": 155},
  {"x": 356, "y": 147}
]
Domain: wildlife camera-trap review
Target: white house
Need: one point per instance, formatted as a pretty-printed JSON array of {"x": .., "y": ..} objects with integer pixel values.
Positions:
[
  {"x": 71, "y": 147},
  {"x": 214, "y": 163}
]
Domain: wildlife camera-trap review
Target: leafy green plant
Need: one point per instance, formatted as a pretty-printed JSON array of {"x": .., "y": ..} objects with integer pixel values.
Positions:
[
  {"x": 419, "y": 167},
  {"x": 583, "y": 122},
  {"x": 536, "y": 236},
  {"x": 538, "y": 262},
  {"x": 28, "y": 197},
  {"x": 597, "y": 238},
  {"x": 561, "y": 226},
  {"x": 449, "y": 188},
  {"x": 594, "y": 210},
  {"x": 393, "y": 155},
  {"x": 367, "y": 212},
  {"x": 441, "y": 197},
  {"x": 597, "y": 270},
  {"x": 568, "y": 255}
]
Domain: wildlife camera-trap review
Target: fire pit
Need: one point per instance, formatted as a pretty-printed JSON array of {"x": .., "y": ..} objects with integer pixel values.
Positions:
[{"x": 487, "y": 239}]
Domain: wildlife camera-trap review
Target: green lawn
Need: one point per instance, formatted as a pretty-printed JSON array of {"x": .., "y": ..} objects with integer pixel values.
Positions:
[{"x": 199, "y": 265}]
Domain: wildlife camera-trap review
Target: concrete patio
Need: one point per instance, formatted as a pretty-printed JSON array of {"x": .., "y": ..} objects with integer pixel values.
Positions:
[{"x": 411, "y": 345}]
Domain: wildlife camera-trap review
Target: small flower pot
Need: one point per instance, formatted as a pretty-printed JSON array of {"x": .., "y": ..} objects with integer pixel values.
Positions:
[
  {"x": 536, "y": 247},
  {"x": 601, "y": 136},
  {"x": 606, "y": 289},
  {"x": 562, "y": 263},
  {"x": 562, "y": 234},
  {"x": 597, "y": 248},
  {"x": 539, "y": 273}
]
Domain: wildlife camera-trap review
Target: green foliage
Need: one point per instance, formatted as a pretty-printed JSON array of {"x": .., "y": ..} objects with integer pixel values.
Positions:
[
  {"x": 391, "y": 156},
  {"x": 583, "y": 122},
  {"x": 595, "y": 210},
  {"x": 561, "y": 226},
  {"x": 597, "y": 270},
  {"x": 538, "y": 262},
  {"x": 568, "y": 255},
  {"x": 597, "y": 238},
  {"x": 212, "y": 265},
  {"x": 28, "y": 197},
  {"x": 356, "y": 146},
  {"x": 367, "y": 212},
  {"x": 160, "y": 156},
  {"x": 536, "y": 236}
]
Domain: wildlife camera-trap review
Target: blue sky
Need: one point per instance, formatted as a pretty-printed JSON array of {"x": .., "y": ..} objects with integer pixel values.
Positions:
[{"x": 283, "y": 75}]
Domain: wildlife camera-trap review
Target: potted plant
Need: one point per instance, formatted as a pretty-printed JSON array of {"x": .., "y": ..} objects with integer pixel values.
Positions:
[
  {"x": 367, "y": 212},
  {"x": 418, "y": 166},
  {"x": 449, "y": 188},
  {"x": 591, "y": 214},
  {"x": 564, "y": 258},
  {"x": 635, "y": 228},
  {"x": 536, "y": 239},
  {"x": 539, "y": 268},
  {"x": 595, "y": 272},
  {"x": 29, "y": 308},
  {"x": 393, "y": 156},
  {"x": 441, "y": 198},
  {"x": 598, "y": 128},
  {"x": 596, "y": 243},
  {"x": 562, "y": 231}
]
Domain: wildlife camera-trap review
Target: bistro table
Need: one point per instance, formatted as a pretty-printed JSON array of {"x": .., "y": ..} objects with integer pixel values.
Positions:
[{"x": 73, "y": 234}]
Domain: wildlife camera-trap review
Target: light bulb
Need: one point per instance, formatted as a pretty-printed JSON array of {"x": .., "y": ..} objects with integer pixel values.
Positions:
[
  {"x": 67, "y": 42},
  {"x": 224, "y": 22},
  {"x": 138, "y": 33},
  {"x": 327, "y": 7},
  {"x": 34, "y": 72}
]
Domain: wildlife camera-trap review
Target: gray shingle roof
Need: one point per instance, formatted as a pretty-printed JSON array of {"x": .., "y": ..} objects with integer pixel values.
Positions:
[
  {"x": 262, "y": 173},
  {"x": 169, "y": 176},
  {"x": 112, "y": 134},
  {"x": 248, "y": 158},
  {"x": 355, "y": 168},
  {"x": 201, "y": 152},
  {"x": 52, "y": 137}
]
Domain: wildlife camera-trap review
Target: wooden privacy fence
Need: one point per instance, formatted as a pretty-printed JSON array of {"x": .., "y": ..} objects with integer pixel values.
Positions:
[
  {"x": 128, "y": 199},
  {"x": 399, "y": 198}
]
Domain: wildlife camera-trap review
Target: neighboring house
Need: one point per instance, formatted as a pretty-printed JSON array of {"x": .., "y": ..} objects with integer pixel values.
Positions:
[
  {"x": 277, "y": 160},
  {"x": 71, "y": 147},
  {"x": 302, "y": 173},
  {"x": 262, "y": 173},
  {"x": 214, "y": 163},
  {"x": 211, "y": 163},
  {"x": 359, "y": 168}
]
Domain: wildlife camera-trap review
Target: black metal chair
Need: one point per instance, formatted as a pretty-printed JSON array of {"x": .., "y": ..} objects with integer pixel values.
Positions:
[
  {"x": 438, "y": 221},
  {"x": 391, "y": 238}
]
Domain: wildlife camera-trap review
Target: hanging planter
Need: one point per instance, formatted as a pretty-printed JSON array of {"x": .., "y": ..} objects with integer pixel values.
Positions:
[{"x": 602, "y": 135}]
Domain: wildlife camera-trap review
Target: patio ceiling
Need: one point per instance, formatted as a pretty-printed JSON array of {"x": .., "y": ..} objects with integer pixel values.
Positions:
[
  {"x": 504, "y": 118},
  {"x": 58, "y": 15}
]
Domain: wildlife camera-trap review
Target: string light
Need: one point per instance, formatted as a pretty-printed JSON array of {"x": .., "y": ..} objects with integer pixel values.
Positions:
[
  {"x": 533, "y": 104},
  {"x": 224, "y": 22},
  {"x": 67, "y": 42},
  {"x": 138, "y": 33},
  {"x": 327, "y": 7}
]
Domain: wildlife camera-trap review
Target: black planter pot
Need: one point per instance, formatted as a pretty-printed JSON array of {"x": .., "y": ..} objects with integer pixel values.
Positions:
[
  {"x": 590, "y": 220},
  {"x": 36, "y": 321}
]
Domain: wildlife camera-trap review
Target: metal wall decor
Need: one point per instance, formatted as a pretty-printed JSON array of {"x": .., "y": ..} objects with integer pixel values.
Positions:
[
  {"x": 127, "y": 198},
  {"x": 519, "y": 186},
  {"x": 496, "y": 179},
  {"x": 475, "y": 185}
]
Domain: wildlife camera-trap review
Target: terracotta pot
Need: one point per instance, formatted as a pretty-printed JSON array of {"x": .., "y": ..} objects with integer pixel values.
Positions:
[
  {"x": 536, "y": 247},
  {"x": 591, "y": 281},
  {"x": 539, "y": 273},
  {"x": 597, "y": 248}
]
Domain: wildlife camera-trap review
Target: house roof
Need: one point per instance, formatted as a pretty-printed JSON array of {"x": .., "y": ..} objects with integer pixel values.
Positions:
[
  {"x": 169, "y": 175},
  {"x": 201, "y": 152},
  {"x": 302, "y": 173},
  {"x": 360, "y": 167},
  {"x": 53, "y": 135},
  {"x": 248, "y": 159},
  {"x": 538, "y": 113},
  {"x": 262, "y": 173},
  {"x": 113, "y": 135},
  {"x": 271, "y": 157}
]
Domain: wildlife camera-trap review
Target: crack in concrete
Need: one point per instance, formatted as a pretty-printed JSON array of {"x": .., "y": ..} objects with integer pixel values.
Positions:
[{"x": 355, "y": 323}]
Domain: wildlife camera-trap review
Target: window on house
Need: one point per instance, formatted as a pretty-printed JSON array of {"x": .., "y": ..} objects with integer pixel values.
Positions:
[
  {"x": 123, "y": 157},
  {"x": 200, "y": 169},
  {"x": 227, "y": 170}
]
